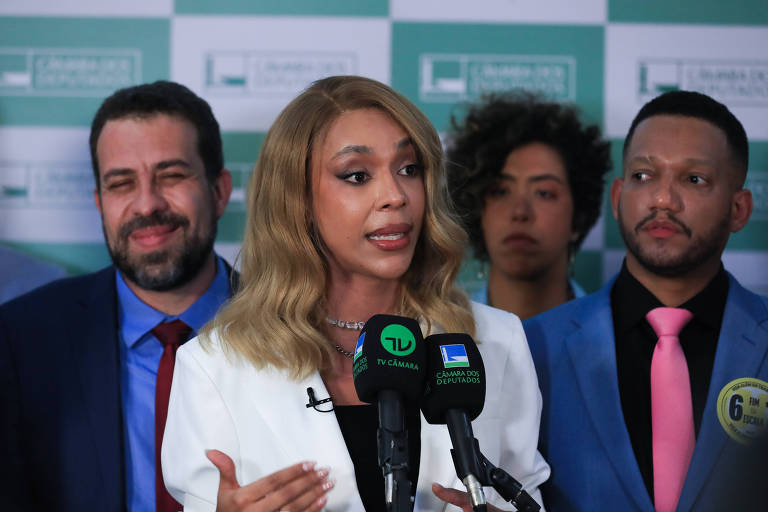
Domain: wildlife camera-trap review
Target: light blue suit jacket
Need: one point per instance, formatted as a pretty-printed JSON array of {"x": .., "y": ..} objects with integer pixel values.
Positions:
[{"x": 583, "y": 435}]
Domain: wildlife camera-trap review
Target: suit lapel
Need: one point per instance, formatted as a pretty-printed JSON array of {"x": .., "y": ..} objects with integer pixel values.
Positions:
[
  {"x": 94, "y": 345},
  {"x": 593, "y": 353},
  {"x": 741, "y": 352}
]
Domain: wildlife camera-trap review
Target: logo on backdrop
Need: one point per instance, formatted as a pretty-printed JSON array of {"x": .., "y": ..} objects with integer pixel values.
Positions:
[
  {"x": 454, "y": 356},
  {"x": 450, "y": 78},
  {"x": 397, "y": 340},
  {"x": 78, "y": 72},
  {"x": 734, "y": 82},
  {"x": 271, "y": 74},
  {"x": 46, "y": 185},
  {"x": 757, "y": 183}
]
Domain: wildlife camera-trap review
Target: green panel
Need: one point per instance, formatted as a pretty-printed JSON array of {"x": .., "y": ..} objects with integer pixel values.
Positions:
[
  {"x": 57, "y": 71},
  {"x": 75, "y": 258},
  {"x": 612, "y": 236},
  {"x": 438, "y": 65},
  {"x": 754, "y": 236},
  {"x": 231, "y": 226},
  {"x": 473, "y": 274},
  {"x": 588, "y": 270},
  {"x": 755, "y": 233},
  {"x": 242, "y": 146},
  {"x": 734, "y": 12},
  {"x": 285, "y": 7},
  {"x": 241, "y": 150}
]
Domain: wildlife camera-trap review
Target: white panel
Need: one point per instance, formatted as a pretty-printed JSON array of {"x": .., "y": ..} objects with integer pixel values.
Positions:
[
  {"x": 750, "y": 268},
  {"x": 612, "y": 263},
  {"x": 46, "y": 186},
  {"x": 500, "y": 11},
  {"x": 595, "y": 237},
  {"x": 229, "y": 251},
  {"x": 249, "y": 68},
  {"x": 727, "y": 63},
  {"x": 83, "y": 8}
]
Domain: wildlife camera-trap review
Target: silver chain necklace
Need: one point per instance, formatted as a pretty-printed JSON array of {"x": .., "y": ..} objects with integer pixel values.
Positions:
[
  {"x": 344, "y": 351},
  {"x": 341, "y": 324}
]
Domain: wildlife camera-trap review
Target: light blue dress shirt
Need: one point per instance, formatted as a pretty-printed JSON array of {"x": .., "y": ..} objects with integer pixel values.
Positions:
[
  {"x": 140, "y": 354},
  {"x": 481, "y": 295}
]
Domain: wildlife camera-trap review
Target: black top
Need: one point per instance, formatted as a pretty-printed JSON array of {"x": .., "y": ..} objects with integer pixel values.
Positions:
[
  {"x": 635, "y": 342},
  {"x": 358, "y": 425}
]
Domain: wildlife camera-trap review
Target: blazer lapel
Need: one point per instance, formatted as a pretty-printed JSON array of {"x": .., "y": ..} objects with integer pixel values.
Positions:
[
  {"x": 593, "y": 354},
  {"x": 94, "y": 344},
  {"x": 741, "y": 352},
  {"x": 310, "y": 435}
]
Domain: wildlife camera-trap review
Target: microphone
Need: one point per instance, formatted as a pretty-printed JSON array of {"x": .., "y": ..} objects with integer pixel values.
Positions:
[
  {"x": 388, "y": 369},
  {"x": 314, "y": 402},
  {"x": 455, "y": 395}
]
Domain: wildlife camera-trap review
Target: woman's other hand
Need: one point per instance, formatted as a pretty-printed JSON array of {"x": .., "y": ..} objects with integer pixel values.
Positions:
[
  {"x": 297, "y": 488},
  {"x": 457, "y": 498}
]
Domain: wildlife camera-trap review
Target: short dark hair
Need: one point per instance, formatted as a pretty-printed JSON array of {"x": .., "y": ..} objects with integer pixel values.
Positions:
[
  {"x": 502, "y": 122},
  {"x": 169, "y": 98},
  {"x": 699, "y": 106}
]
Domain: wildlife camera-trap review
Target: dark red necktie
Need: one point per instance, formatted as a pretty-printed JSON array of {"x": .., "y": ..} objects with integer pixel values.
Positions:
[{"x": 171, "y": 335}]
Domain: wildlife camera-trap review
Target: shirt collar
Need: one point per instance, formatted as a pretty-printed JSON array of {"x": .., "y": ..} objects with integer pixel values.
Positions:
[
  {"x": 631, "y": 301},
  {"x": 137, "y": 318}
]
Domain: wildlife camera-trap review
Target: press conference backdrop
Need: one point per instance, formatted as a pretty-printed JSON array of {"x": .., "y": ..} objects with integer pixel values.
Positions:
[{"x": 248, "y": 58}]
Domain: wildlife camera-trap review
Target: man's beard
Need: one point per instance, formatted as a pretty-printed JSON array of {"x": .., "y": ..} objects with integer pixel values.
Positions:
[
  {"x": 702, "y": 247},
  {"x": 164, "y": 269}
]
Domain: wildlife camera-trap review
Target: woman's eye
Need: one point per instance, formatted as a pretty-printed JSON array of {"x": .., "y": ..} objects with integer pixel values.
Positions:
[
  {"x": 496, "y": 192},
  {"x": 411, "y": 170},
  {"x": 546, "y": 194},
  {"x": 356, "y": 177}
]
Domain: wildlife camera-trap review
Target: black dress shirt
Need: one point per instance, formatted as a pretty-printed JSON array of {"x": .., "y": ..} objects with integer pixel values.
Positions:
[
  {"x": 358, "y": 425},
  {"x": 635, "y": 342}
]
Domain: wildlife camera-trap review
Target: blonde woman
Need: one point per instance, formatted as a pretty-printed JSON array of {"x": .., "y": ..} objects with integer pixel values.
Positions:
[{"x": 347, "y": 217}]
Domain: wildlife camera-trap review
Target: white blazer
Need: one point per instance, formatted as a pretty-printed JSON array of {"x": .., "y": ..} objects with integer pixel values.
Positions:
[{"x": 258, "y": 417}]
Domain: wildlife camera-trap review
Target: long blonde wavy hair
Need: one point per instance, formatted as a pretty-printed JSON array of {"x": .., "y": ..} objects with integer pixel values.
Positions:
[{"x": 277, "y": 315}]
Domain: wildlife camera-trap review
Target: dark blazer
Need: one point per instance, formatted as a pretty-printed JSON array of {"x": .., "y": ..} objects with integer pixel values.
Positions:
[
  {"x": 583, "y": 435},
  {"x": 61, "y": 429}
]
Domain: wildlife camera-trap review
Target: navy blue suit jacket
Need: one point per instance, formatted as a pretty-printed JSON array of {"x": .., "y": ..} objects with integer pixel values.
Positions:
[
  {"x": 61, "y": 430},
  {"x": 583, "y": 435}
]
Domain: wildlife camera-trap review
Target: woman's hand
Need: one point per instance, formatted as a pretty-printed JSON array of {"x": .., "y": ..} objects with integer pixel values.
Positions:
[
  {"x": 297, "y": 488},
  {"x": 457, "y": 498}
]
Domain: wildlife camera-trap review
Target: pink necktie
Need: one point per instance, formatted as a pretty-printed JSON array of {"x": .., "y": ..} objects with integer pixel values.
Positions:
[{"x": 671, "y": 408}]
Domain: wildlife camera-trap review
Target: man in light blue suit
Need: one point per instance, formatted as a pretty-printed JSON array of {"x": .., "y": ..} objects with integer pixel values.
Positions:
[{"x": 680, "y": 196}]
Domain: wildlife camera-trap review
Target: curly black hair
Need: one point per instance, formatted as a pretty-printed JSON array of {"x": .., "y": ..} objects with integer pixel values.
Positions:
[{"x": 498, "y": 124}]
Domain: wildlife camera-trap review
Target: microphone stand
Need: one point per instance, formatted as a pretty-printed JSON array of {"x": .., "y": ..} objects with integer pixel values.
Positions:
[
  {"x": 507, "y": 487},
  {"x": 392, "y": 440}
]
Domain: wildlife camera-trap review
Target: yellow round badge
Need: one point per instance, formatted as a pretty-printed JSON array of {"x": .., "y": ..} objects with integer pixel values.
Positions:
[{"x": 742, "y": 408}]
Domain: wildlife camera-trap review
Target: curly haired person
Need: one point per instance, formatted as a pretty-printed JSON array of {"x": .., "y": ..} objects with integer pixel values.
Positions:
[{"x": 527, "y": 177}]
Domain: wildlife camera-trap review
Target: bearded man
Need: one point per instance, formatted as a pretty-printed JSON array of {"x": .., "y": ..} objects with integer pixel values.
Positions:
[
  {"x": 654, "y": 386},
  {"x": 86, "y": 362}
]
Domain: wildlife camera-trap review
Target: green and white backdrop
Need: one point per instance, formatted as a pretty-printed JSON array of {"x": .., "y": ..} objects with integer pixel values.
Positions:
[{"x": 248, "y": 58}]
